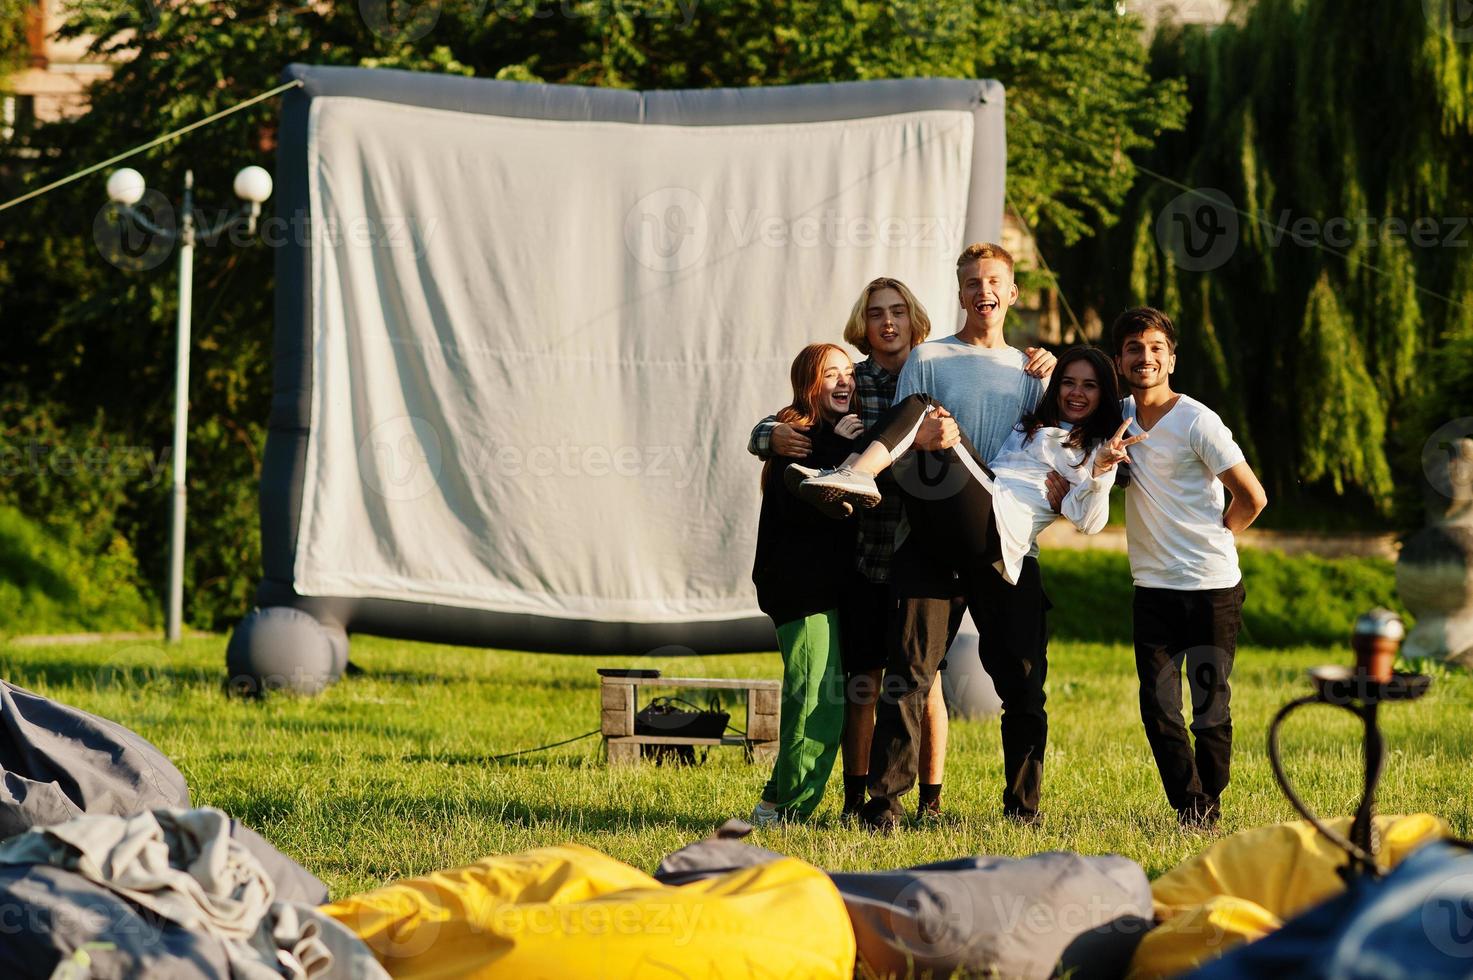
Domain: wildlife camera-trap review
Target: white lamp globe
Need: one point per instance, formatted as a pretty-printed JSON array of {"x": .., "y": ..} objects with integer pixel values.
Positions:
[
  {"x": 253, "y": 184},
  {"x": 125, "y": 187}
]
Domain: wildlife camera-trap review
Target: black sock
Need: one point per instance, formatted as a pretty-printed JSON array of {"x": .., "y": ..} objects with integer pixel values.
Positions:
[
  {"x": 854, "y": 787},
  {"x": 930, "y": 795}
]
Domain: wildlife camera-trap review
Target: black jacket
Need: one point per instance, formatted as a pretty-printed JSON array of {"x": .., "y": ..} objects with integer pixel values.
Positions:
[{"x": 803, "y": 557}]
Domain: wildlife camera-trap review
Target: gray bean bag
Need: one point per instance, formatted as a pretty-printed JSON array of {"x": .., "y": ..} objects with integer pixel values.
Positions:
[
  {"x": 58, "y": 762},
  {"x": 167, "y": 893},
  {"x": 54, "y": 912},
  {"x": 1040, "y": 916}
]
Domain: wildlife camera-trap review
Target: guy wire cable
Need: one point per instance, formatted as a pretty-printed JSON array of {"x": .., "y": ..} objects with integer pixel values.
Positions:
[{"x": 294, "y": 83}]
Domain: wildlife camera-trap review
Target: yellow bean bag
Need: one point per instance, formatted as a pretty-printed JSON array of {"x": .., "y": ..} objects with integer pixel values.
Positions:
[
  {"x": 572, "y": 912},
  {"x": 1245, "y": 886}
]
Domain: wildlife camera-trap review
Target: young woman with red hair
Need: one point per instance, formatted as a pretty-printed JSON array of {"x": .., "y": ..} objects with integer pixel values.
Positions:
[{"x": 804, "y": 558}]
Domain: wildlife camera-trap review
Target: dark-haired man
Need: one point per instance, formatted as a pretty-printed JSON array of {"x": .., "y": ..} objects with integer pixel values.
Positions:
[{"x": 1184, "y": 560}]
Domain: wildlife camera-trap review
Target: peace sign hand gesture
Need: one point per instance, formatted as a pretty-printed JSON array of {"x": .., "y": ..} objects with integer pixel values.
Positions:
[{"x": 1113, "y": 451}]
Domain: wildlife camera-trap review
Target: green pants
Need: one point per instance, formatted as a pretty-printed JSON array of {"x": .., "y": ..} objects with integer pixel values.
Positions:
[{"x": 812, "y": 713}]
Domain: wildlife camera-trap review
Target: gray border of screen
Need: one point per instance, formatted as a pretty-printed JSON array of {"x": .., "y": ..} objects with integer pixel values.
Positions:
[{"x": 284, "y": 465}]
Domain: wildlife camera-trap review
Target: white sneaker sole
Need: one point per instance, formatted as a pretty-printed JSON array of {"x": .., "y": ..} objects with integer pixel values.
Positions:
[{"x": 827, "y": 490}]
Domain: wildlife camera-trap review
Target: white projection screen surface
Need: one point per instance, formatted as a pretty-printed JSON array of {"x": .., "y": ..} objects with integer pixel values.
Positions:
[{"x": 522, "y": 344}]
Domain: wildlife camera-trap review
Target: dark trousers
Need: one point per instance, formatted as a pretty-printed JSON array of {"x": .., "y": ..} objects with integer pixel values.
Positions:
[
  {"x": 1011, "y": 621},
  {"x": 1196, "y": 631}
]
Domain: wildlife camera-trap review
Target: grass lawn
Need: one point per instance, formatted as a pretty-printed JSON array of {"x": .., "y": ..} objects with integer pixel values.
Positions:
[{"x": 389, "y": 774}]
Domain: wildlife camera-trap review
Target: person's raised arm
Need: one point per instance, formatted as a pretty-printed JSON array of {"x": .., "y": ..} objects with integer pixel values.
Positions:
[
  {"x": 1087, "y": 503},
  {"x": 1248, "y": 497},
  {"x": 773, "y": 438}
]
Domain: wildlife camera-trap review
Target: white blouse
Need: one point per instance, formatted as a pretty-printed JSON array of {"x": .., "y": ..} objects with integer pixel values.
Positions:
[{"x": 1020, "y": 493}]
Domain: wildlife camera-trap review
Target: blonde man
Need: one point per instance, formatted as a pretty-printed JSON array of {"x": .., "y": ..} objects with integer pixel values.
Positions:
[{"x": 986, "y": 387}]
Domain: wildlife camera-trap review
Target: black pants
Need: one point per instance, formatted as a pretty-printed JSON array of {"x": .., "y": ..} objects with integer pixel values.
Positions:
[
  {"x": 950, "y": 551},
  {"x": 947, "y": 503},
  {"x": 1198, "y": 631}
]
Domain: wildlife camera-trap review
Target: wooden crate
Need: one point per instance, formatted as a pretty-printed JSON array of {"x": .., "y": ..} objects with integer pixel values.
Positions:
[{"x": 617, "y": 697}]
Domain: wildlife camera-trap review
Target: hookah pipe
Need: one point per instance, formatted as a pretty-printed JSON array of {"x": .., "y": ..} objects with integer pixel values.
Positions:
[{"x": 1376, "y": 639}]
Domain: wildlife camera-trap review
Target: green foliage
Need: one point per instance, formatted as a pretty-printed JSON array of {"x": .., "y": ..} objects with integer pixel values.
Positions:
[
  {"x": 1342, "y": 439},
  {"x": 1292, "y": 601},
  {"x": 12, "y": 37},
  {"x": 49, "y": 586},
  {"x": 1340, "y": 133},
  {"x": 98, "y": 338},
  {"x": 71, "y": 494}
]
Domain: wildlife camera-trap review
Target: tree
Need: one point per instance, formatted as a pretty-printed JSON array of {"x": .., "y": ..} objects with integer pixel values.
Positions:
[
  {"x": 1080, "y": 94},
  {"x": 1338, "y": 137},
  {"x": 14, "y": 15}
]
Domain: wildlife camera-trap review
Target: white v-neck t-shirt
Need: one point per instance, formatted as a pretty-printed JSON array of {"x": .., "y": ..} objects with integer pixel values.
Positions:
[{"x": 1174, "y": 505}]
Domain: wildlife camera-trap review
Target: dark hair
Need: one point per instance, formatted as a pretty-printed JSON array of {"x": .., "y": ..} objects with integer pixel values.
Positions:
[
  {"x": 1101, "y": 424},
  {"x": 1137, "y": 321}
]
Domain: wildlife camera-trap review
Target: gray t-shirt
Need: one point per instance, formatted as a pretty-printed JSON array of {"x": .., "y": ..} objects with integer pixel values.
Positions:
[{"x": 984, "y": 388}]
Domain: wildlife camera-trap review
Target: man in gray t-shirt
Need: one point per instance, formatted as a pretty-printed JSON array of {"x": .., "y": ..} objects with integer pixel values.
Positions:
[{"x": 982, "y": 384}]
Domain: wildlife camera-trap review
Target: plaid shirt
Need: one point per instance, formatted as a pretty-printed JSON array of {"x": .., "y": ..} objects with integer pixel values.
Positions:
[{"x": 874, "y": 388}]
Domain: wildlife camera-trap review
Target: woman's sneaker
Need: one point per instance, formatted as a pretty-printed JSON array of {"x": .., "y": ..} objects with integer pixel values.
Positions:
[
  {"x": 795, "y": 476},
  {"x": 840, "y": 485},
  {"x": 765, "y": 816}
]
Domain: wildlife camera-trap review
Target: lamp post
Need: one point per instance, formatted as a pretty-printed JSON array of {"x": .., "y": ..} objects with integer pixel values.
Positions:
[{"x": 125, "y": 188}]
